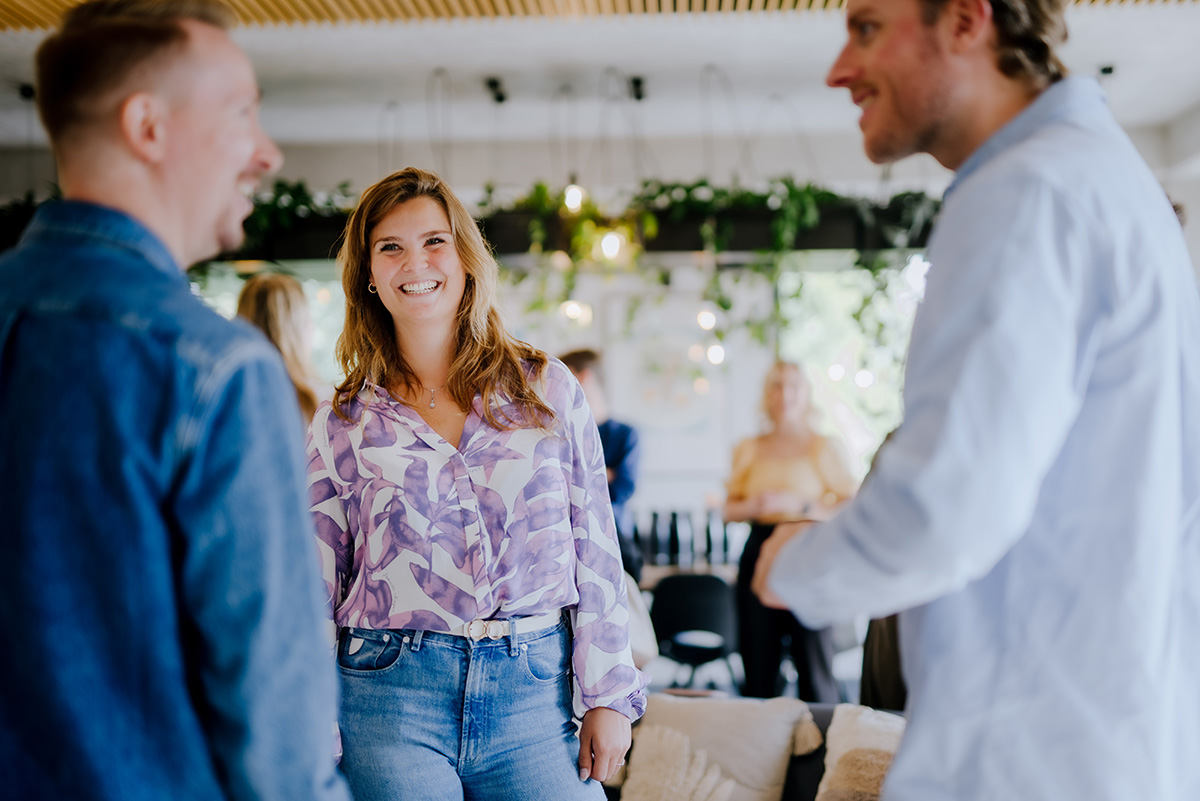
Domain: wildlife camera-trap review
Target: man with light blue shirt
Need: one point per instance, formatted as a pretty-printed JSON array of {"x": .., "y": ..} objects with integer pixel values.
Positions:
[
  {"x": 1037, "y": 514},
  {"x": 161, "y": 610}
]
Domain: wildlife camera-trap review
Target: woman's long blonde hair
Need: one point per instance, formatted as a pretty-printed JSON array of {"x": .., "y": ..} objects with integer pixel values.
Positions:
[
  {"x": 275, "y": 304},
  {"x": 487, "y": 359}
]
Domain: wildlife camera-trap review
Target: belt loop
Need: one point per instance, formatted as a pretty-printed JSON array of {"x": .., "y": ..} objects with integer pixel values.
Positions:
[
  {"x": 512, "y": 638},
  {"x": 416, "y": 641}
]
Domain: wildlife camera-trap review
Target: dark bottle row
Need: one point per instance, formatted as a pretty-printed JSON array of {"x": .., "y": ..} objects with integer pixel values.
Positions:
[{"x": 672, "y": 538}]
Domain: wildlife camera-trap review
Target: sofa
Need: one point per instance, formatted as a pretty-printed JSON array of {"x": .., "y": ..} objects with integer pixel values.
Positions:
[{"x": 760, "y": 750}]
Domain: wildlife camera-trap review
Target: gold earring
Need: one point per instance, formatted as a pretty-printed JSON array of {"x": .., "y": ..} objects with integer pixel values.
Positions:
[{"x": 371, "y": 288}]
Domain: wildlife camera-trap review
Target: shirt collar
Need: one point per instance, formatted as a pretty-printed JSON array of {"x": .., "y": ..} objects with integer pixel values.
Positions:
[
  {"x": 77, "y": 221},
  {"x": 1062, "y": 98}
]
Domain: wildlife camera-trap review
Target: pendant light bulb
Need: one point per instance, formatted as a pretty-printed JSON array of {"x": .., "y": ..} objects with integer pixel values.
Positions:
[{"x": 573, "y": 198}]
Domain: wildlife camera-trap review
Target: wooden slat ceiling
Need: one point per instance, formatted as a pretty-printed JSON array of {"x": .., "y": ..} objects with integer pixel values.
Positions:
[{"x": 44, "y": 14}]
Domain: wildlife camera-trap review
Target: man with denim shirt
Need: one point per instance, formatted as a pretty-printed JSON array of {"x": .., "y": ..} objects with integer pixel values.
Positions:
[{"x": 161, "y": 619}]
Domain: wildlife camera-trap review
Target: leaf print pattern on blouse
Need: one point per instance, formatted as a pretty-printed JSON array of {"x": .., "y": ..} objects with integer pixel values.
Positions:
[{"x": 414, "y": 533}]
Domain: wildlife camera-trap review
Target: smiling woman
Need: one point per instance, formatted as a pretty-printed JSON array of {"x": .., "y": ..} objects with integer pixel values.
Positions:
[
  {"x": 416, "y": 271},
  {"x": 466, "y": 536}
]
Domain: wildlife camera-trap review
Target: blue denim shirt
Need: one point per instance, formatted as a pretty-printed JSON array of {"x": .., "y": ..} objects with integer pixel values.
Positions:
[{"x": 160, "y": 610}]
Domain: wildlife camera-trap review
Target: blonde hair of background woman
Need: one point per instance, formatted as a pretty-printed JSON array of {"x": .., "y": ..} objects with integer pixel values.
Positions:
[
  {"x": 275, "y": 304},
  {"x": 487, "y": 359}
]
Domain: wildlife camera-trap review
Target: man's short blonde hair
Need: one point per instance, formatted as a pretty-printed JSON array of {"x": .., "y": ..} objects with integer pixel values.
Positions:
[{"x": 100, "y": 44}]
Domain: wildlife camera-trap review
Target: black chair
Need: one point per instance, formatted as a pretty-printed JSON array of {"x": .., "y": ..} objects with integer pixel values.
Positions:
[{"x": 695, "y": 620}]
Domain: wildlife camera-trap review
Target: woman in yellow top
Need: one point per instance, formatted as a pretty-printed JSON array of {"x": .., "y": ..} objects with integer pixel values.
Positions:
[{"x": 788, "y": 473}]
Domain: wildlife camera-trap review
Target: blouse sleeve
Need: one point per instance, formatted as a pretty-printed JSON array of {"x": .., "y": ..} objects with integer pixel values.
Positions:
[
  {"x": 743, "y": 456},
  {"x": 335, "y": 543},
  {"x": 833, "y": 463},
  {"x": 604, "y": 674}
]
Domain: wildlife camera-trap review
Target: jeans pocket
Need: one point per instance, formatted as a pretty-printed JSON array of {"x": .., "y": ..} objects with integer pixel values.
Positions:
[
  {"x": 366, "y": 650},
  {"x": 546, "y": 660}
]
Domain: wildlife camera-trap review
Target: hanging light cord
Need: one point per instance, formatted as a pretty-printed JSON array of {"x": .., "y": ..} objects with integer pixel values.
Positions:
[
  {"x": 437, "y": 115},
  {"x": 388, "y": 147},
  {"x": 708, "y": 74}
]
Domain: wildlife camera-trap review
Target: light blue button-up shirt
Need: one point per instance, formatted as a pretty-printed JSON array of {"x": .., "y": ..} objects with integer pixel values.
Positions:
[{"x": 1038, "y": 511}]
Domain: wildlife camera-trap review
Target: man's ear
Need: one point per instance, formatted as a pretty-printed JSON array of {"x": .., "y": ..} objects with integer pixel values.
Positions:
[
  {"x": 968, "y": 24},
  {"x": 143, "y": 119}
]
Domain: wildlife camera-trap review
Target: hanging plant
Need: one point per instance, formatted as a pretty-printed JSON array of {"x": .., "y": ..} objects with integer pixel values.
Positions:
[
  {"x": 16, "y": 214},
  {"x": 564, "y": 240},
  {"x": 291, "y": 222}
]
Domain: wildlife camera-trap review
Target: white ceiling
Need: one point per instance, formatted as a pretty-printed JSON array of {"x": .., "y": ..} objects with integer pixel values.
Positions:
[{"x": 724, "y": 74}]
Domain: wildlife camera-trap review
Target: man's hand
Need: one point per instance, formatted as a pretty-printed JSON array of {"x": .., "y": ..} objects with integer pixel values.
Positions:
[
  {"x": 603, "y": 743},
  {"x": 780, "y": 503},
  {"x": 766, "y": 560}
]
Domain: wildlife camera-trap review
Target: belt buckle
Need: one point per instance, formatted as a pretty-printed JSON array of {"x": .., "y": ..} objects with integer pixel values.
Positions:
[{"x": 492, "y": 629}]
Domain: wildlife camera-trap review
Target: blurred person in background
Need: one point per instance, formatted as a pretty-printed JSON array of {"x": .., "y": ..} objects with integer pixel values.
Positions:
[
  {"x": 788, "y": 473},
  {"x": 275, "y": 304},
  {"x": 622, "y": 453}
]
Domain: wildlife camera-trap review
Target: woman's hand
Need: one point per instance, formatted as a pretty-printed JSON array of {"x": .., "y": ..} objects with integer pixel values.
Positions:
[
  {"x": 603, "y": 743},
  {"x": 781, "y": 503}
]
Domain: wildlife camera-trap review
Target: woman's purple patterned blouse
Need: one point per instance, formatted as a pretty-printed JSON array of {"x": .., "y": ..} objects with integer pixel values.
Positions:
[{"x": 414, "y": 533}]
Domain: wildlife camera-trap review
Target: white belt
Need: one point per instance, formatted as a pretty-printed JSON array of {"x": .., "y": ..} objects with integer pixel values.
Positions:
[{"x": 495, "y": 629}]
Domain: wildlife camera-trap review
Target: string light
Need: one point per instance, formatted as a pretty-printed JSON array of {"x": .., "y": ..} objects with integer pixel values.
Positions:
[
  {"x": 573, "y": 198},
  {"x": 706, "y": 320},
  {"x": 716, "y": 354},
  {"x": 610, "y": 245},
  {"x": 576, "y": 312},
  {"x": 836, "y": 372}
]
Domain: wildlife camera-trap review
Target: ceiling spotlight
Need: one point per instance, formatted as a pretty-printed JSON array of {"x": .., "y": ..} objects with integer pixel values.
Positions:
[
  {"x": 494, "y": 86},
  {"x": 637, "y": 87}
]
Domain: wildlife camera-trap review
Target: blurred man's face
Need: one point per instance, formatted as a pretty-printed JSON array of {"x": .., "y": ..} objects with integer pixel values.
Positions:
[
  {"x": 895, "y": 68},
  {"x": 217, "y": 151}
]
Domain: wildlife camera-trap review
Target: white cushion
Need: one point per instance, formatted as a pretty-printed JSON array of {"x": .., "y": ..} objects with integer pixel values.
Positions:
[{"x": 859, "y": 746}]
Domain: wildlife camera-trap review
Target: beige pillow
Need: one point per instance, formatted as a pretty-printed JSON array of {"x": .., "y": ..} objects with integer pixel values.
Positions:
[
  {"x": 667, "y": 767},
  {"x": 859, "y": 746},
  {"x": 749, "y": 739}
]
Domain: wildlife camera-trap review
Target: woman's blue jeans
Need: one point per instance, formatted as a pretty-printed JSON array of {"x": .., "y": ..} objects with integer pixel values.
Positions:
[{"x": 434, "y": 717}]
